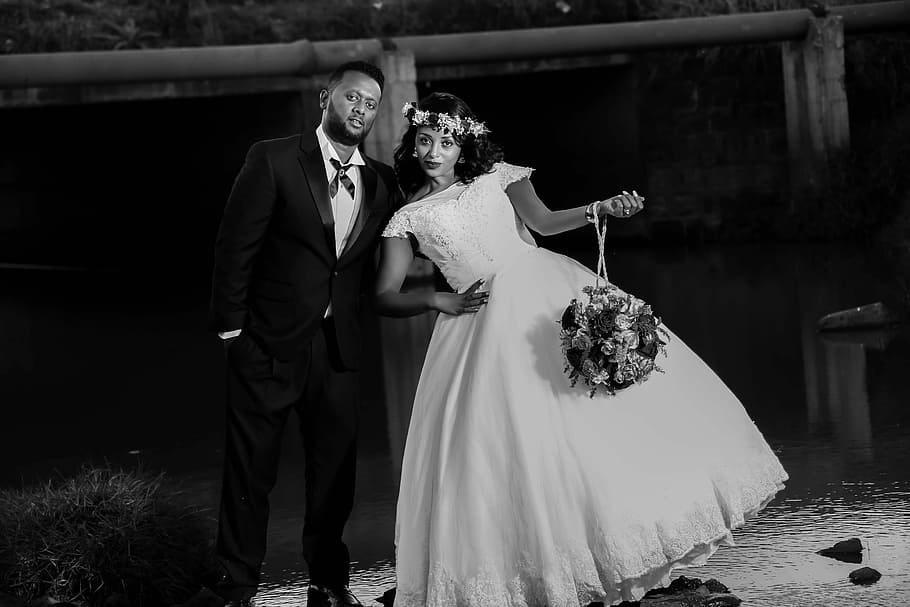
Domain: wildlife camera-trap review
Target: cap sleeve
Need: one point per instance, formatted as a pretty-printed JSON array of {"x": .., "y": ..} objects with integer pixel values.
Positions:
[
  {"x": 510, "y": 173},
  {"x": 399, "y": 226}
]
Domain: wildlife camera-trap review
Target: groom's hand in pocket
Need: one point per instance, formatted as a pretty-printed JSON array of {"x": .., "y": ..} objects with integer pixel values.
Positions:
[{"x": 227, "y": 341}]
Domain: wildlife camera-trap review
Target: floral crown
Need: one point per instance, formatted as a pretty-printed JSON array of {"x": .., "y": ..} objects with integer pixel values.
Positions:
[{"x": 443, "y": 122}]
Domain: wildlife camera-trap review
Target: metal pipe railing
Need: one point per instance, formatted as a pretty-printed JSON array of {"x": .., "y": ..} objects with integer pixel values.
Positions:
[
  {"x": 634, "y": 36},
  {"x": 304, "y": 57},
  {"x": 204, "y": 63}
]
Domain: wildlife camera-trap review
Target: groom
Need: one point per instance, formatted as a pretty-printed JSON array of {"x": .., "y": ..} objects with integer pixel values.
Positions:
[{"x": 297, "y": 238}]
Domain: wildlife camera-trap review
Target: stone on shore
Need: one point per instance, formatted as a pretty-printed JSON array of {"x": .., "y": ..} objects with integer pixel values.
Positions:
[
  {"x": 691, "y": 592},
  {"x": 865, "y": 575},
  {"x": 682, "y": 592}
]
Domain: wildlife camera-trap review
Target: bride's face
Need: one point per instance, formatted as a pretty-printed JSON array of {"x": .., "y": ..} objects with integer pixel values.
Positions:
[{"x": 437, "y": 153}]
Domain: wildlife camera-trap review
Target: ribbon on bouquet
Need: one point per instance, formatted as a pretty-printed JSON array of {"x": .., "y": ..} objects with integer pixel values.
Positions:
[{"x": 601, "y": 232}]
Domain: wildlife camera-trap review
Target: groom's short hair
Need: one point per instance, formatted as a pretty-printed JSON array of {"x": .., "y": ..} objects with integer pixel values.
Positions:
[{"x": 363, "y": 67}]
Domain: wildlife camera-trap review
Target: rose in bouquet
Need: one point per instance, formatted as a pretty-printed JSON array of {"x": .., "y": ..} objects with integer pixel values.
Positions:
[{"x": 612, "y": 341}]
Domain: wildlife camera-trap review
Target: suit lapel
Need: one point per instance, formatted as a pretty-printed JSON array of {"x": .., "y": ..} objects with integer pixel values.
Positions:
[
  {"x": 313, "y": 166},
  {"x": 368, "y": 179}
]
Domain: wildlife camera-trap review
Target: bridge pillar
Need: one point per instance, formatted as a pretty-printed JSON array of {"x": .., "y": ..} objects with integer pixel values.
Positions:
[
  {"x": 816, "y": 104},
  {"x": 400, "y": 86},
  {"x": 403, "y": 341}
]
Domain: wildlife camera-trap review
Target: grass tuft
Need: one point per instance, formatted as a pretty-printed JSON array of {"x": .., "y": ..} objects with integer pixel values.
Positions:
[{"x": 101, "y": 534}]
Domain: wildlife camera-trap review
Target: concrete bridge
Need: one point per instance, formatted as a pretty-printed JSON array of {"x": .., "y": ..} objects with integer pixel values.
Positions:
[{"x": 812, "y": 64}]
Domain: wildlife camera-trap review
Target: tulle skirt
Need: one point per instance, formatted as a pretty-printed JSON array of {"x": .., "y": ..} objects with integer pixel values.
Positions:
[{"x": 519, "y": 490}]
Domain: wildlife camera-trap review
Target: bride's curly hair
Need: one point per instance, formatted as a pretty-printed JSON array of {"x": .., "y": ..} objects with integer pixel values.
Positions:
[{"x": 479, "y": 153}]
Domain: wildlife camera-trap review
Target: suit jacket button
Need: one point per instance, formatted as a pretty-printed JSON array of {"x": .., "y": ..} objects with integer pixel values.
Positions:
[{"x": 335, "y": 273}]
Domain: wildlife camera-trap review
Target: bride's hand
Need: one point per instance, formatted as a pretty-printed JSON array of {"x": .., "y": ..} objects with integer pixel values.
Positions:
[
  {"x": 621, "y": 205},
  {"x": 468, "y": 302}
]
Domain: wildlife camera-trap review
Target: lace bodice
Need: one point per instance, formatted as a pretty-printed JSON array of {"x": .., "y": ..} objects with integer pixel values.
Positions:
[{"x": 469, "y": 231}]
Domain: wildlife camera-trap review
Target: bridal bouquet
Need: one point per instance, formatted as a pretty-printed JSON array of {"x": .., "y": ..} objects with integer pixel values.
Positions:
[{"x": 612, "y": 340}]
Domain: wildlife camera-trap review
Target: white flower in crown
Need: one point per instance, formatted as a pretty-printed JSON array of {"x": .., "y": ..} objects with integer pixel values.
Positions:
[{"x": 443, "y": 122}]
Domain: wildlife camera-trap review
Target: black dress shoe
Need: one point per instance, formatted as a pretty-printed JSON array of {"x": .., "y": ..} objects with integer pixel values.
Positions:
[{"x": 319, "y": 596}]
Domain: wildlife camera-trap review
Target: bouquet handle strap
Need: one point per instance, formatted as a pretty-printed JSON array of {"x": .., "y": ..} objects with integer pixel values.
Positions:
[{"x": 600, "y": 229}]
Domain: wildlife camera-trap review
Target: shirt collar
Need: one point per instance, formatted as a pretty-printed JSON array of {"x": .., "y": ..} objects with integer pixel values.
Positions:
[{"x": 328, "y": 150}]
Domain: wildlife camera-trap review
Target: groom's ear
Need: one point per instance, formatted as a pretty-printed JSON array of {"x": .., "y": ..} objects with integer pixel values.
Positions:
[{"x": 324, "y": 99}]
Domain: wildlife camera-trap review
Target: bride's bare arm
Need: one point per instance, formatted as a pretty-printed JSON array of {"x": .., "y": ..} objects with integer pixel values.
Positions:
[
  {"x": 397, "y": 255},
  {"x": 537, "y": 216}
]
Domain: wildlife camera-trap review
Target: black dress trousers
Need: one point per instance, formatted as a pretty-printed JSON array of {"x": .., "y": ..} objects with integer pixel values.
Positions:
[{"x": 261, "y": 392}]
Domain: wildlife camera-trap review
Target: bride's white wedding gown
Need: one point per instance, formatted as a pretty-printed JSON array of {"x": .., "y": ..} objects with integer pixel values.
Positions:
[{"x": 519, "y": 490}]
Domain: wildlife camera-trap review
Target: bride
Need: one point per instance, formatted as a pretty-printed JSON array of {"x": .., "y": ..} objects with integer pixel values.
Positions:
[{"x": 518, "y": 489}]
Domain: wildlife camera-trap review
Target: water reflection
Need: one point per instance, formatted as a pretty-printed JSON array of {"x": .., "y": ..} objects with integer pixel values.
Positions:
[
  {"x": 90, "y": 370},
  {"x": 835, "y": 367}
]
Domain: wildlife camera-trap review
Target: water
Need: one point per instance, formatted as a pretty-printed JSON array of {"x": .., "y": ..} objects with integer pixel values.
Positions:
[{"x": 100, "y": 367}]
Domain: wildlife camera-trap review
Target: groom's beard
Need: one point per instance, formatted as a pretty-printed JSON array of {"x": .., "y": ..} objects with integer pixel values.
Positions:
[{"x": 338, "y": 129}]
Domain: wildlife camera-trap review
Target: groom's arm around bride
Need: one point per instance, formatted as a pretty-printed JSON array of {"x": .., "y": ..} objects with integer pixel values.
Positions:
[{"x": 297, "y": 238}]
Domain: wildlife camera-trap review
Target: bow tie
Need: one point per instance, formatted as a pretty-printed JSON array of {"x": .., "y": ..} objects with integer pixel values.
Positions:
[{"x": 341, "y": 174}]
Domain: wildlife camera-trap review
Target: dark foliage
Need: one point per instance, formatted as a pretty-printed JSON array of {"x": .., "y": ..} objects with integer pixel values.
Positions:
[{"x": 102, "y": 534}]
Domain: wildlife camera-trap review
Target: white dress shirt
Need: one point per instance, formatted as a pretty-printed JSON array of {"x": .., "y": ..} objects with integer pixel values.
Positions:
[{"x": 344, "y": 209}]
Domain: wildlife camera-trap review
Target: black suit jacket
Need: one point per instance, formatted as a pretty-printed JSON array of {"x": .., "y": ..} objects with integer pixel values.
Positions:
[{"x": 275, "y": 264}]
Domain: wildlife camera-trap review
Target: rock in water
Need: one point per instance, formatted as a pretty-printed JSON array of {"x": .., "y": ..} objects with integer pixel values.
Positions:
[
  {"x": 865, "y": 575},
  {"x": 684, "y": 583},
  {"x": 691, "y": 592},
  {"x": 852, "y": 545},
  {"x": 847, "y": 551},
  {"x": 715, "y": 586},
  {"x": 682, "y": 592},
  {"x": 861, "y": 317}
]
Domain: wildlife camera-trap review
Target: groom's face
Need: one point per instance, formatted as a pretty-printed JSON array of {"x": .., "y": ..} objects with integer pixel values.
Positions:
[{"x": 349, "y": 108}]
